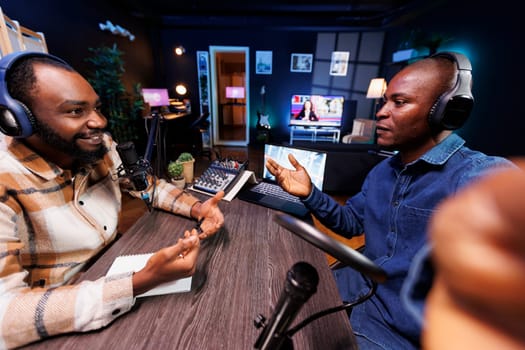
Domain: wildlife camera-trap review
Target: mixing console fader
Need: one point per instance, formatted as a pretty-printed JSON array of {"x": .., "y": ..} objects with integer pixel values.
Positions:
[{"x": 220, "y": 175}]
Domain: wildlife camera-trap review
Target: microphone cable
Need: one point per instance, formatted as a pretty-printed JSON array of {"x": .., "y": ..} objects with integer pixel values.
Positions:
[{"x": 344, "y": 306}]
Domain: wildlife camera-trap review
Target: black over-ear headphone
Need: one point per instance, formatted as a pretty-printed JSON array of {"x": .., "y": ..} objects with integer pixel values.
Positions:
[
  {"x": 452, "y": 108},
  {"x": 16, "y": 119}
]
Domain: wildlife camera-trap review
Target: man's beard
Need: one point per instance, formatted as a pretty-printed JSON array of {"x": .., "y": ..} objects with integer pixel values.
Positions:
[{"x": 70, "y": 148}]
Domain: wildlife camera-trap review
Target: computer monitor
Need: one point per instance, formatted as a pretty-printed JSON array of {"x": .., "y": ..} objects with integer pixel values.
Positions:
[
  {"x": 156, "y": 97},
  {"x": 327, "y": 108}
]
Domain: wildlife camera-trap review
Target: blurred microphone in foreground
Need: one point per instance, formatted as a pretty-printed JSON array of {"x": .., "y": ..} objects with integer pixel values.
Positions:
[{"x": 301, "y": 283}]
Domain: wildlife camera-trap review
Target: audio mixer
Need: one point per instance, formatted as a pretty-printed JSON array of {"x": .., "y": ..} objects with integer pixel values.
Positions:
[{"x": 220, "y": 175}]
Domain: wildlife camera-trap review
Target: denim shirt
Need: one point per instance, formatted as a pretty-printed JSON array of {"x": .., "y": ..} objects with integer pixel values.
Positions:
[{"x": 393, "y": 209}]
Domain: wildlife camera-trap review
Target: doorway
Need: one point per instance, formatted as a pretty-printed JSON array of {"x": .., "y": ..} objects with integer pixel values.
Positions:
[{"x": 229, "y": 68}]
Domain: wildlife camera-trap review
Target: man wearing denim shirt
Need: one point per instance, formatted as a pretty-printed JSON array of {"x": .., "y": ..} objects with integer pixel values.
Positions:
[{"x": 423, "y": 103}]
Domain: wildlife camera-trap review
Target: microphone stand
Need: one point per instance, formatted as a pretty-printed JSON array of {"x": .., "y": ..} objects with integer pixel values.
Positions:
[{"x": 154, "y": 139}]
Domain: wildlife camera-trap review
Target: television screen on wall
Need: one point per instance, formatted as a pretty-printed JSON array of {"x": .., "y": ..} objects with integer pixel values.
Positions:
[{"x": 327, "y": 110}]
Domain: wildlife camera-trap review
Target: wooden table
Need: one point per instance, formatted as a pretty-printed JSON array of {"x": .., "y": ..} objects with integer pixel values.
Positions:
[{"x": 241, "y": 273}]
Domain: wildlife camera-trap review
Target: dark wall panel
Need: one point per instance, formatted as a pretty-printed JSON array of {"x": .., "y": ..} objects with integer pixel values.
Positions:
[{"x": 485, "y": 33}]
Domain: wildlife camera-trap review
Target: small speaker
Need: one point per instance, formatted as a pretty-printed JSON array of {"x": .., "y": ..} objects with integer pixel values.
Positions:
[
  {"x": 16, "y": 119},
  {"x": 452, "y": 109}
]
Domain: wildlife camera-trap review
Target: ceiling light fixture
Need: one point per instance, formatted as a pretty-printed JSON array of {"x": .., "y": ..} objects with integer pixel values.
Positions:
[{"x": 180, "y": 50}]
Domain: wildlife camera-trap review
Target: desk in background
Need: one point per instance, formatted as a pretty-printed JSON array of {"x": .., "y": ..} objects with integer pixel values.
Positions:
[{"x": 240, "y": 274}]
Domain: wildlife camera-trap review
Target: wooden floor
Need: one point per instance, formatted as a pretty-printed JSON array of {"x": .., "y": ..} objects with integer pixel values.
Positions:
[{"x": 133, "y": 208}]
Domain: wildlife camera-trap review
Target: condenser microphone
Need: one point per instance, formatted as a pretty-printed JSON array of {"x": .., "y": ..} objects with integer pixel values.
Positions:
[
  {"x": 134, "y": 168},
  {"x": 301, "y": 283}
]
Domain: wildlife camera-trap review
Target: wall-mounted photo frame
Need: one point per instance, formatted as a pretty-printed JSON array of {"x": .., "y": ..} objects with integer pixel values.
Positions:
[
  {"x": 339, "y": 63},
  {"x": 301, "y": 62},
  {"x": 263, "y": 62}
]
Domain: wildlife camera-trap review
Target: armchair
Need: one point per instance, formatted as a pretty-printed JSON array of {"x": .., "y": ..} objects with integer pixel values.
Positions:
[{"x": 363, "y": 131}]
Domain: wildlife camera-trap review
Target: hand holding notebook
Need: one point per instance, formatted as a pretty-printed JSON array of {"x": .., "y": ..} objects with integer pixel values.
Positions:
[{"x": 127, "y": 263}]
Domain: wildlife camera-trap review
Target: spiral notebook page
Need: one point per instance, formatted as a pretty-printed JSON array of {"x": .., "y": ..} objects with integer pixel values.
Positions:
[{"x": 126, "y": 263}]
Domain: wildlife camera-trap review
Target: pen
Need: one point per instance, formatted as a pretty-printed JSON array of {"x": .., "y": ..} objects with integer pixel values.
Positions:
[{"x": 198, "y": 226}]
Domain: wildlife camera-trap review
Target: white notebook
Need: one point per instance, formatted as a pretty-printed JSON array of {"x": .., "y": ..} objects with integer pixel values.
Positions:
[{"x": 126, "y": 263}]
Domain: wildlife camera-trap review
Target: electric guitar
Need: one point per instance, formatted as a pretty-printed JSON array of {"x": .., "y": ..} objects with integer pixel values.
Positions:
[{"x": 263, "y": 118}]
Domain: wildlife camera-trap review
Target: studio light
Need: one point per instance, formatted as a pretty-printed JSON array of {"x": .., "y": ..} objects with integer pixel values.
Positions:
[
  {"x": 181, "y": 89},
  {"x": 180, "y": 50}
]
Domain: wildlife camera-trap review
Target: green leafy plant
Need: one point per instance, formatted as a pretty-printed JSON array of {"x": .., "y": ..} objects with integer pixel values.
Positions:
[
  {"x": 175, "y": 170},
  {"x": 122, "y": 109},
  {"x": 185, "y": 157}
]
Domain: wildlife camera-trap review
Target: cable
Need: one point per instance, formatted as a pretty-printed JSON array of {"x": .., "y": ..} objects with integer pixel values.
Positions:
[{"x": 344, "y": 306}]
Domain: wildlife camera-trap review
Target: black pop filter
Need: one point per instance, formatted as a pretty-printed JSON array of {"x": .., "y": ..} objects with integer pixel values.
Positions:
[{"x": 326, "y": 243}]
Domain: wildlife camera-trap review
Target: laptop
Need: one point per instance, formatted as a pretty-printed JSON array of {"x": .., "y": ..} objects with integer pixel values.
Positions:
[{"x": 267, "y": 191}]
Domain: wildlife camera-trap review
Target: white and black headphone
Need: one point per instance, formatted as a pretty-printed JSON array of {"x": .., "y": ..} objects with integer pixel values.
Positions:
[
  {"x": 16, "y": 119},
  {"x": 452, "y": 109}
]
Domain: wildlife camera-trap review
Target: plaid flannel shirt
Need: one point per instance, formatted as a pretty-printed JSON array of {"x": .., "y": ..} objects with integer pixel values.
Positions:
[{"x": 52, "y": 222}]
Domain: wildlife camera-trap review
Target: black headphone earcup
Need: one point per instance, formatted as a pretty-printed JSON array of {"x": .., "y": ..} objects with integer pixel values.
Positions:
[
  {"x": 452, "y": 109},
  {"x": 456, "y": 112}
]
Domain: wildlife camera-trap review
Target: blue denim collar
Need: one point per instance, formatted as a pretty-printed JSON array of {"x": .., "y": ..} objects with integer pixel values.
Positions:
[
  {"x": 442, "y": 152},
  {"x": 438, "y": 155}
]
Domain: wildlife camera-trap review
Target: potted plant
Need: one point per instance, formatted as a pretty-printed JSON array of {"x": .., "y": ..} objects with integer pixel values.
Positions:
[
  {"x": 187, "y": 160},
  {"x": 175, "y": 172}
]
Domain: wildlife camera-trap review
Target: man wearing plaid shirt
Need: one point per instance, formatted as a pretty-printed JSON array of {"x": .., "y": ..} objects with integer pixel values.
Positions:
[{"x": 60, "y": 199}]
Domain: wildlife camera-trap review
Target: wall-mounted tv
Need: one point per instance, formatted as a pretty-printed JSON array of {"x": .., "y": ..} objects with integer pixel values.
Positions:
[
  {"x": 156, "y": 97},
  {"x": 234, "y": 91},
  {"x": 327, "y": 110}
]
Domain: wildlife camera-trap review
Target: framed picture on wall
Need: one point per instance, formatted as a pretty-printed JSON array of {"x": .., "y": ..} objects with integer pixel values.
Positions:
[
  {"x": 263, "y": 62},
  {"x": 301, "y": 62},
  {"x": 339, "y": 63}
]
